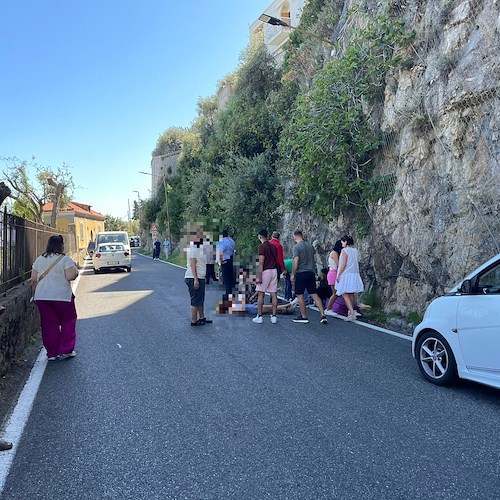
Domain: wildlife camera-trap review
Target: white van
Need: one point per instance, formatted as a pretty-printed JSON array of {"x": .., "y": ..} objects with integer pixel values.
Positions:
[{"x": 113, "y": 237}]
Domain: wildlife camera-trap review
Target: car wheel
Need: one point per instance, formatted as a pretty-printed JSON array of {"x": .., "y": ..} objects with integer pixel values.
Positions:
[
  {"x": 435, "y": 359},
  {"x": 129, "y": 268}
]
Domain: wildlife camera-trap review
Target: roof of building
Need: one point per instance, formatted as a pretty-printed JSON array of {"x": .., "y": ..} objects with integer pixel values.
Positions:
[{"x": 73, "y": 206}]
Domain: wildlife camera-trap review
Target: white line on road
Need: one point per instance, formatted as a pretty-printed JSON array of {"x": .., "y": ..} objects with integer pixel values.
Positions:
[
  {"x": 162, "y": 261},
  {"x": 19, "y": 417},
  {"x": 372, "y": 327}
]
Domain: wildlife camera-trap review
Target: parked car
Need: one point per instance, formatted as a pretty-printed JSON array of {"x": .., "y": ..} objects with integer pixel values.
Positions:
[
  {"x": 459, "y": 335},
  {"x": 91, "y": 248},
  {"x": 111, "y": 256},
  {"x": 113, "y": 237}
]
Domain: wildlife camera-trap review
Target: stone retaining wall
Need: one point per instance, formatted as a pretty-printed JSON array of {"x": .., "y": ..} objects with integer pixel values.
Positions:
[{"x": 17, "y": 324}]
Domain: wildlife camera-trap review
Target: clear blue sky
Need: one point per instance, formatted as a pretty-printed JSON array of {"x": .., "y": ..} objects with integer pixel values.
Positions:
[{"x": 94, "y": 83}]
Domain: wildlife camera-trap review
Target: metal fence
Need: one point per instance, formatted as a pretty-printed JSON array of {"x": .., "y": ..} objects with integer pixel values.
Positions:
[{"x": 21, "y": 242}]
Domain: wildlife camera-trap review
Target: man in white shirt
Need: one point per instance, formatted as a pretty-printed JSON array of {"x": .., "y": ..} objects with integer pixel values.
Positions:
[{"x": 195, "y": 279}]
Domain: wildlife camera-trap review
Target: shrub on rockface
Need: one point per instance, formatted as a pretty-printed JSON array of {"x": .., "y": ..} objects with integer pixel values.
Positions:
[{"x": 330, "y": 140}]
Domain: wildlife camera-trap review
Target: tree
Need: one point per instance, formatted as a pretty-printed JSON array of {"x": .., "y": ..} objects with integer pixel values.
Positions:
[
  {"x": 112, "y": 223},
  {"x": 31, "y": 195},
  {"x": 170, "y": 141}
]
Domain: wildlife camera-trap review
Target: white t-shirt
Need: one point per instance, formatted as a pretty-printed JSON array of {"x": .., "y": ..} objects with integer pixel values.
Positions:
[
  {"x": 197, "y": 253},
  {"x": 54, "y": 286}
]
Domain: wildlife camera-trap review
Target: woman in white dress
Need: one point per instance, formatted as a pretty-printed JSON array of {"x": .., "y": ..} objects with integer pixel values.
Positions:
[{"x": 348, "y": 278}]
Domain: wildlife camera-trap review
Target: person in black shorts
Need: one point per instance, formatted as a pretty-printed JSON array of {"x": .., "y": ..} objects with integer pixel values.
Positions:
[{"x": 304, "y": 277}]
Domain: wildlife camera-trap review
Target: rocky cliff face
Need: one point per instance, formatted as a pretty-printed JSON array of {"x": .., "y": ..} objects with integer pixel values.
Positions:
[{"x": 441, "y": 112}]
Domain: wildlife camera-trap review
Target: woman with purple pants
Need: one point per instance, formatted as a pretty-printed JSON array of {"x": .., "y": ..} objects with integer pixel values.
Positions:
[{"x": 50, "y": 277}]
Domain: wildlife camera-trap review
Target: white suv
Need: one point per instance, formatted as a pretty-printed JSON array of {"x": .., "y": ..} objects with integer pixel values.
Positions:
[{"x": 460, "y": 332}]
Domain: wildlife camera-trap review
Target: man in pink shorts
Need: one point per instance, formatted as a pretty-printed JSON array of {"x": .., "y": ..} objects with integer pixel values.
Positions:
[{"x": 267, "y": 276}]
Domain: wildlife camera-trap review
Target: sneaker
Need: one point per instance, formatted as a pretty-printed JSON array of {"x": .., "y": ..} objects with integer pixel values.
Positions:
[
  {"x": 300, "y": 319},
  {"x": 350, "y": 317},
  {"x": 52, "y": 358},
  {"x": 294, "y": 302},
  {"x": 205, "y": 321},
  {"x": 274, "y": 319},
  {"x": 68, "y": 355},
  {"x": 257, "y": 319},
  {"x": 323, "y": 320},
  {"x": 357, "y": 314}
]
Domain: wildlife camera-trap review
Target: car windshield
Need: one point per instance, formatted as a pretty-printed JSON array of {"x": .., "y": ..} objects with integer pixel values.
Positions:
[
  {"x": 113, "y": 238},
  {"x": 111, "y": 248}
]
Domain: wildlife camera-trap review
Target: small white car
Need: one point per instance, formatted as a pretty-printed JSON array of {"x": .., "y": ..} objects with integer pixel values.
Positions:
[
  {"x": 460, "y": 333},
  {"x": 111, "y": 256}
]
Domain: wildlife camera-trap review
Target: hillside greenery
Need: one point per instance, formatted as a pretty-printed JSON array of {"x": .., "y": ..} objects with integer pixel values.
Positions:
[{"x": 289, "y": 136}]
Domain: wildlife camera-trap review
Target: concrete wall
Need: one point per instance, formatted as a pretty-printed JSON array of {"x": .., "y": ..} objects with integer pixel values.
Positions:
[{"x": 17, "y": 324}]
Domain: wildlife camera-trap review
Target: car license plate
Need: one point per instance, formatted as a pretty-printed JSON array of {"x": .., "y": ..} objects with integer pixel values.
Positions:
[{"x": 112, "y": 262}]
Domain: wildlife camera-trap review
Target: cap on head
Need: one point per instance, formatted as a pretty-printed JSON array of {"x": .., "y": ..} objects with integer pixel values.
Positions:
[{"x": 225, "y": 234}]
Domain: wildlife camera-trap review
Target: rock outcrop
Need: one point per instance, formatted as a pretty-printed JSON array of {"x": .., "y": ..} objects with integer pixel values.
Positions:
[{"x": 439, "y": 217}]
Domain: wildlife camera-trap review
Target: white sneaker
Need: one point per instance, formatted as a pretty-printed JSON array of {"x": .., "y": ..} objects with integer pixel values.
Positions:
[
  {"x": 350, "y": 317},
  {"x": 274, "y": 319},
  {"x": 71, "y": 354},
  {"x": 257, "y": 319},
  {"x": 294, "y": 302},
  {"x": 357, "y": 314}
]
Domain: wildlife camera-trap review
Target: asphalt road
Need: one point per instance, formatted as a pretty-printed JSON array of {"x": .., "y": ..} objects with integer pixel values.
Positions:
[{"x": 152, "y": 408}]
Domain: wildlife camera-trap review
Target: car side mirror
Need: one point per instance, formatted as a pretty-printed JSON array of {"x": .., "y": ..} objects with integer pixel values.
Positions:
[{"x": 466, "y": 287}]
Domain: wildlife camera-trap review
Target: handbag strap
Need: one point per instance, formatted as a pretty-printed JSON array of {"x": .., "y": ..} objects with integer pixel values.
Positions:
[{"x": 47, "y": 271}]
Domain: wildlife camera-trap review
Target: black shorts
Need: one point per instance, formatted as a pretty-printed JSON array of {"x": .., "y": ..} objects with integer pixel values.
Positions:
[
  {"x": 305, "y": 281},
  {"x": 197, "y": 294}
]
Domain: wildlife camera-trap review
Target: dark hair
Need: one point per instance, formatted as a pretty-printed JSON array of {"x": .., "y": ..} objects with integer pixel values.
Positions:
[
  {"x": 337, "y": 247},
  {"x": 348, "y": 239},
  {"x": 225, "y": 234},
  {"x": 324, "y": 271},
  {"x": 263, "y": 232},
  {"x": 298, "y": 233},
  {"x": 54, "y": 246}
]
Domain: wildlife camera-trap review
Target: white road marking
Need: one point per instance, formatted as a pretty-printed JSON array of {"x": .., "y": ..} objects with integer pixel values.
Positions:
[
  {"x": 119, "y": 346},
  {"x": 369, "y": 325},
  {"x": 162, "y": 261},
  {"x": 19, "y": 417}
]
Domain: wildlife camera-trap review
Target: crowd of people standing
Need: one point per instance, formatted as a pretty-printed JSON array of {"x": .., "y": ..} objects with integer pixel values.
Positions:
[{"x": 262, "y": 277}]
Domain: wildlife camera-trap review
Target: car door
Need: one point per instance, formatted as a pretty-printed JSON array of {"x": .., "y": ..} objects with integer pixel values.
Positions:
[{"x": 478, "y": 322}]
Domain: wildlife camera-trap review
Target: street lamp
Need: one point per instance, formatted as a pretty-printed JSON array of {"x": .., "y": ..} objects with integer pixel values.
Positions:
[
  {"x": 274, "y": 21},
  {"x": 166, "y": 201}
]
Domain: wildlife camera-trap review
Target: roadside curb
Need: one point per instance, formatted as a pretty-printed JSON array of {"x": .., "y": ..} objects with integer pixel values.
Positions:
[{"x": 162, "y": 261}]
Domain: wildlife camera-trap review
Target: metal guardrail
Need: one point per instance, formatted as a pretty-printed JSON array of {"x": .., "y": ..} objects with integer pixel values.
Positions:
[{"x": 21, "y": 242}]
